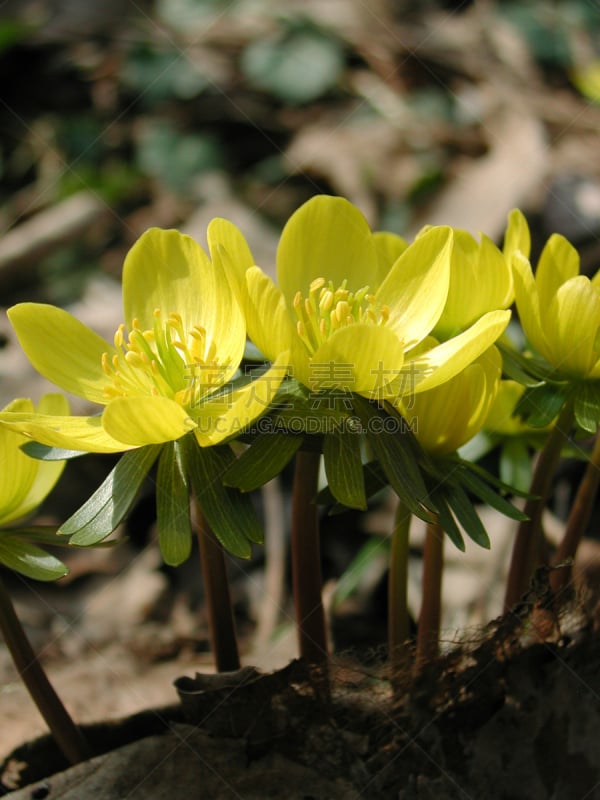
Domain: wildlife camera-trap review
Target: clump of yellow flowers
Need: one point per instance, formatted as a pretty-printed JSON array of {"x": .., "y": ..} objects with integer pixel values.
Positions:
[{"x": 383, "y": 356}]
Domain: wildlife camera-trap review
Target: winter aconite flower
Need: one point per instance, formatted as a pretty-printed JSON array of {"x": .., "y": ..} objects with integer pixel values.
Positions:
[
  {"x": 446, "y": 417},
  {"x": 480, "y": 282},
  {"x": 559, "y": 310},
  {"x": 181, "y": 342},
  {"x": 352, "y": 307},
  {"x": 24, "y": 484}
]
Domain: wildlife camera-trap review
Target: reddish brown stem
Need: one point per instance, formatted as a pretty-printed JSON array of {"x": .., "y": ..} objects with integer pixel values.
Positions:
[
  {"x": 398, "y": 621},
  {"x": 67, "y": 735},
  {"x": 306, "y": 560},
  {"x": 218, "y": 599},
  {"x": 527, "y": 549},
  {"x": 579, "y": 517},
  {"x": 428, "y": 633}
]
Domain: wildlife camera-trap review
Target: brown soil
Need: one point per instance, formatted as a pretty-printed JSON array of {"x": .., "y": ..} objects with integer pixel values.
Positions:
[{"x": 498, "y": 718}]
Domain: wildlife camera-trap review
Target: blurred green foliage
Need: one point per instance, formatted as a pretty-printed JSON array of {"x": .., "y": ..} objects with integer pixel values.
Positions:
[{"x": 297, "y": 65}]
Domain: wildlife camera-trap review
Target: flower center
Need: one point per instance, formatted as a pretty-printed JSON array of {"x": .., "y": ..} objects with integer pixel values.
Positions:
[
  {"x": 327, "y": 309},
  {"x": 166, "y": 360}
]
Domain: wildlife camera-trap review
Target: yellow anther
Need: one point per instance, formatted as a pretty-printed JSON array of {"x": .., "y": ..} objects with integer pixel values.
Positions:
[
  {"x": 135, "y": 324},
  {"x": 301, "y": 329},
  {"x": 134, "y": 359},
  {"x": 385, "y": 313},
  {"x": 317, "y": 284},
  {"x": 323, "y": 328},
  {"x": 119, "y": 336},
  {"x": 326, "y": 301},
  {"x": 105, "y": 365},
  {"x": 309, "y": 308},
  {"x": 342, "y": 310}
]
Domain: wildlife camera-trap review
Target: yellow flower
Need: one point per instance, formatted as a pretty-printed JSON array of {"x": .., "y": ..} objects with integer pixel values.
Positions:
[
  {"x": 352, "y": 307},
  {"x": 24, "y": 483},
  {"x": 560, "y": 309},
  {"x": 446, "y": 417},
  {"x": 182, "y": 340},
  {"x": 480, "y": 281}
]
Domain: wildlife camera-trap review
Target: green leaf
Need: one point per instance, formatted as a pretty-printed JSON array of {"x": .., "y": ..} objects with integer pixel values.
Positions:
[
  {"x": 229, "y": 513},
  {"x": 28, "y": 559},
  {"x": 480, "y": 487},
  {"x": 587, "y": 405},
  {"x": 540, "y": 405},
  {"x": 515, "y": 463},
  {"x": 173, "y": 507},
  {"x": 465, "y": 513},
  {"x": 344, "y": 468},
  {"x": 264, "y": 459},
  {"x": 521, "y": 368},
  {"x": 446, "y": 520},
  {"x": 101, "y": 514},
  {"x": 374, "y": 481},
  {"x": 399, "y": 454},
  {"x": 296, "y": 68},
  {"x": 43, "y": 452}
]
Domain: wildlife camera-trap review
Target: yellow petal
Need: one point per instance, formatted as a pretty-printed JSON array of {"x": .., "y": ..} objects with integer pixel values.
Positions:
[
  {"x": 416, "y": 288},
  {"x": 480, "y": 281},
  {"x": 429, "y": 369},
  {"x": 501, "y": 418},
  {"x": 268, "y": 320},
  {"x": 139, "y": 421},
  {"x": 359, "y": 358},
  {"x": 19, "y": 471},
  {"x": 528, "y": 304},
  {"x": 167, "y": 270},
  {"x": 573, "y": 336},
  {"x": 558, "y": 262},
  {"x": 69, "y": 433},
  {"x": 446, "y": 417},
  {"x": 222, "y": 233},
  {"x": 389, "y": 247},
  {"x": 329, "y": 238},
  {"x": 53, "y": 404},
  {"x": 517, "y": 236},
  {"x": 25, "y": 482},
  {"x": 224, "y": 417},
  {"x": 62, "y": 349}
]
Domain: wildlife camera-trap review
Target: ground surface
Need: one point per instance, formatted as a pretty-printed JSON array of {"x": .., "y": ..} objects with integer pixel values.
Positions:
[{"x": 495, "y": 719}]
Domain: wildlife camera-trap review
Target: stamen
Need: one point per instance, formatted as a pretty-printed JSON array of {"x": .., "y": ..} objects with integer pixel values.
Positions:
[
  {"x": 159, "y": 360},
  {"x": 326, "y": 309}
]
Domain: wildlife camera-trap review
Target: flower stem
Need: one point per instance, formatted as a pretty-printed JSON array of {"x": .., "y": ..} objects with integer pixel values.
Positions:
[
  {"x": 579, "y": 517},
  {"x": 218, "y": 599},
  {"x": 306, "y": 560},
  {"x": 67, "y": 735},
  {"x": 398, "y": 624},
  {"x": 428, "y": 632},
  {"x": 528, "y": 541}
]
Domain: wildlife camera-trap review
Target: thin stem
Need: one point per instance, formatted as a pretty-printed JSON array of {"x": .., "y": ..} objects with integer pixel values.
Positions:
[
  {"x": 218, "y": 599},
  {"x": 67, "y": 735},
  {"x": 526, "y": 554},
  {"x": 428, "y": 633},
  {"x": 306, "y": 560},
  {"x": 398, "y": 623},
  {"x": 579, "y": 517}
]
